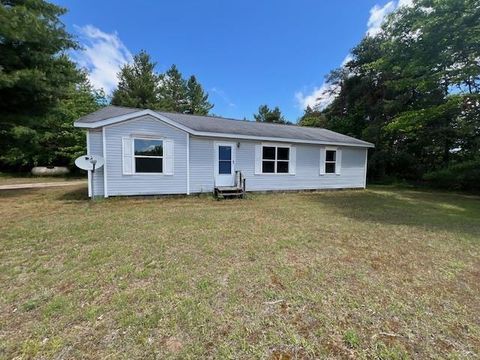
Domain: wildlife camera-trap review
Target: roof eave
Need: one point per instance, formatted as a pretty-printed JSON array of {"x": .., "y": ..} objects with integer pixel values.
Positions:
[{"x": 280, "y": 139}]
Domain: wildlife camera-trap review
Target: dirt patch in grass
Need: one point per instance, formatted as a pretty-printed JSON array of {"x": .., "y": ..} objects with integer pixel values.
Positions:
[{"x": 383, "y": 273}]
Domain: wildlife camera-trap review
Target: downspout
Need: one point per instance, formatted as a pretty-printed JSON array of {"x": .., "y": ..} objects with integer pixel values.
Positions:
[
  {"x": 105, "y": 191},
  {"x": 88, "y": 172},
  {"x": 188, "y": 163},
  {"x": 365, "y": 170}
]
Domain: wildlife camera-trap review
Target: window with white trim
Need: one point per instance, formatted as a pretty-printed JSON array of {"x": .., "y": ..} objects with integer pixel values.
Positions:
[
  {"x": 330, "y": 161},
  {"x": 148, "y": 155},
  {"x": 275, "y": 159}
]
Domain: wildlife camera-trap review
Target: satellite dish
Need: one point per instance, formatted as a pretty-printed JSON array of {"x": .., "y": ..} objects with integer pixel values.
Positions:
[{"x": 89, "y": 162}]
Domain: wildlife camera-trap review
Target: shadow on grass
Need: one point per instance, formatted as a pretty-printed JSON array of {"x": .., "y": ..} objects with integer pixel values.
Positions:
[
  {"x": 75, "y": 194},
  {"x": 436, "y": 210},
  {"x": 10, "y": 193}
]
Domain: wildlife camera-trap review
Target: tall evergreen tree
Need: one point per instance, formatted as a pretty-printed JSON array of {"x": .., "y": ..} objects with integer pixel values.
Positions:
[
  {"x": 141, "y": 86},
  {"x": 173, "y": 91},
  {"x": 33, "y": 72},
  {"x": 60, "y": 141},
  {"x": 35, "y": 75},
  {"x": 138, "y": 84},
  {"x": 265, "y": 114},
  {"x": 197, "y": 99}
]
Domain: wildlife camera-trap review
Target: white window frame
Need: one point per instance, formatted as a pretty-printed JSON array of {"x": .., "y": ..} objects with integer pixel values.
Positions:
[
  {"x": 325, "y": 161},
  {"x": 134, "y": 156},
  {"x": 276, "y": 160}
]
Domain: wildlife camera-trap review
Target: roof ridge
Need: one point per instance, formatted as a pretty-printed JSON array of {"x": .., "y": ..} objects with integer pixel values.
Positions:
[
  {"x": 124, "y": 107},
  {"x": 233, "y": 119},
  {"x": 216, "y": 117}
]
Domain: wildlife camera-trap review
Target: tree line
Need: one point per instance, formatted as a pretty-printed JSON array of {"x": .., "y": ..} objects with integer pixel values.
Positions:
[
  {"x": 414, "y": 91},
  {"x": 43, "y": 91}
]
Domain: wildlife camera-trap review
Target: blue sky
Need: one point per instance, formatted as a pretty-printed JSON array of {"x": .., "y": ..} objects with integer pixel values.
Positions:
[{"x": 245, "y": 53}]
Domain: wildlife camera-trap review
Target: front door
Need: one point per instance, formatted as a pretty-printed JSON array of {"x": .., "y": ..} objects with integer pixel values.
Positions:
[{"x": 224, "y": 164}]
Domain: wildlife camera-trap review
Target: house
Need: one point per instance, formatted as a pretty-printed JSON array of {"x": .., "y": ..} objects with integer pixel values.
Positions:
[{"x": 150, "y": 152}]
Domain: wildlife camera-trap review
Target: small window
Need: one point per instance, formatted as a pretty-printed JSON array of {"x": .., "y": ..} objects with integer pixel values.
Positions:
[
  {"x": 148, "y": 155},
  {"x": 330, "y": 161},
  {"x": 268, "y": 167},
  {"x": 282, "y": 167},
  {"x": 269, "y": 152},
  {"x": 275, "y": 160}
]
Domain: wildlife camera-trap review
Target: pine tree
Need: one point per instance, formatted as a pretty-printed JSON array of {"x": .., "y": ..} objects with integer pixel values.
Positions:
[
  {"x": 265, "y": 114},
  {"x": 35, "y": 75},
  {"x": 173, "y": 91},
  {"x": 197, "y": 99},
  {"x": 138, "y": 84}
]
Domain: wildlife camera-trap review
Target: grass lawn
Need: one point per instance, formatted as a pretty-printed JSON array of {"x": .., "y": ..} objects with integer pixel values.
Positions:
[{"x": 384, "y": 273}]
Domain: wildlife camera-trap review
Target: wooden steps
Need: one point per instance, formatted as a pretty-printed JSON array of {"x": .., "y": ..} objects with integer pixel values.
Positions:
[
  {"x": 228, "y": 192},
  {"x": 237, "y": 191}
]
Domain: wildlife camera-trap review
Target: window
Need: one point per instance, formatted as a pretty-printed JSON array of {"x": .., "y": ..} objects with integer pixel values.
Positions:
[
  {"x": 330, "y": 161},
  {"x": 148, "y": 155},
  {"x": 275, "y": 159}
]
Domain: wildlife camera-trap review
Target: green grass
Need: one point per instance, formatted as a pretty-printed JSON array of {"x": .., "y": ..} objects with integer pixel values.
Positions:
[{"x": 385, "y": 273}]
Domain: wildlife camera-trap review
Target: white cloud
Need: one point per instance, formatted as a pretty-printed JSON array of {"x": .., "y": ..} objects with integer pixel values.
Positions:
[
  {"x": 405, "y": 3},
  {"x": 379, "y": 13},
  {"x": 319, "y": 98},
  {"x": 103, "y": 54},
  {"x": 377, "y": 16},
  {"x": 324, "y": 95}
]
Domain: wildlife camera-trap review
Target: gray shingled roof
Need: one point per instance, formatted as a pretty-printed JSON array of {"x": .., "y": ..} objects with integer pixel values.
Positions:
[
  {"x": 106, "y": 112},
  {"x": 214, "y": 124}
]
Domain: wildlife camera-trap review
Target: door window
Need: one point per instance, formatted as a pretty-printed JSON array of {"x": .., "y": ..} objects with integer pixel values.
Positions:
[{"x": 224, "y": 159}]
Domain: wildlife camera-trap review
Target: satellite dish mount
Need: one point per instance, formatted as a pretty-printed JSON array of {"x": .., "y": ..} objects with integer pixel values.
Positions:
[{"x": 90, "y": 163}]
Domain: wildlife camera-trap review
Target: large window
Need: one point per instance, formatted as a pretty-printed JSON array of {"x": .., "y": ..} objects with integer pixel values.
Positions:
[
  {"x": 148, "y": 155},
  {"x": 275, "y": 159},
  {"x": 330, "y": 161}
]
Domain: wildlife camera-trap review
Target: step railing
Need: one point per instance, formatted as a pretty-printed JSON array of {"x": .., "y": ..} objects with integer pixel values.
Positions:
[{"x": 240, "y": 182}]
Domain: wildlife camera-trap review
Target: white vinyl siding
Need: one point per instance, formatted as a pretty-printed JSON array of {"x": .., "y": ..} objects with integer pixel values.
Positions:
[
  {"x": 95, "y": 147},
  {"x": 306, "y": 169},
  {"x": 122, "y": 180}
]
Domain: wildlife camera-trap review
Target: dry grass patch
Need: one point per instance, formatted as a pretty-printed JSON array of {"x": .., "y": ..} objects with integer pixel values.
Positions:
[{"x": 384, "y": 273}]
